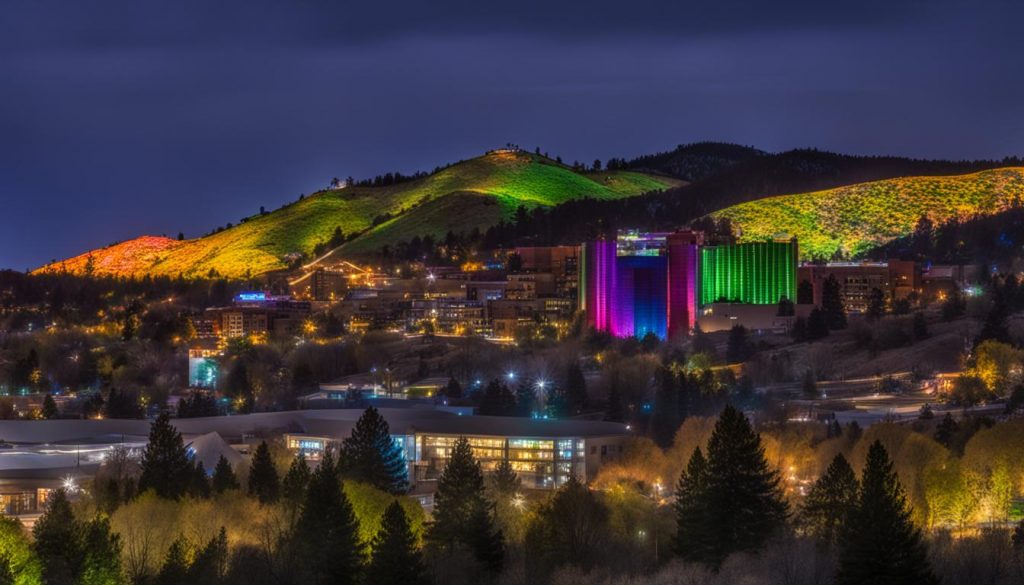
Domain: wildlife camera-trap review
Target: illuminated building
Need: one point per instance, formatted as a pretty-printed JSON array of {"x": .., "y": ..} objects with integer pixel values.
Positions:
[
  {"x": 203, "y": 368},
  {"x": 257, "y": 313},
  {"x": 897, "y": 279},
  {"x": 759, "y": 273},
  {"x": 641, "y": 283}
]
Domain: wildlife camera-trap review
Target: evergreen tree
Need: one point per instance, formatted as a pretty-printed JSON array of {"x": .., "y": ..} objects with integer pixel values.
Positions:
[
  {"x": 805, "y": 293},
  {"x": 165, "y": 465},
  {"x": 746, "y": 501},
  {"x": 50, "y": 407},
  {"x": 224, "y": 477},
  {"x": 453, "y": 390},
  {"x": 832, "y": 303},
  {"x": 263, "y": 481},
  {"x": 693, "y": 538},
  {"x": 946, "y": 430},
  {"x": 876, "y": 304},
  {"x": 484, "y": 538},
  {"x": 954, "y": 306},
  {"x": 327, "y": 533},
  {"x": 505, "y": 481},
  {"x": 571, "y": 527},
  {"x": 371, "y": 455},
  {"x": 497, "y": 400},
  {"x": 58, "y": 541},
  {"x": 174, "y": 571},
  {"x": 878, "y": 541},
  {"x": 199, "y": 485},
  {"x": 462, "y": 517},
  {"x": 738, "y": 348},
  {"x": 210, "y": 563},
  {"x": 817, "y": 325},
  {"x": 800, "y": 331},
  {"x": 830, "y": 501},
  {"x": 665, "y": 418},
  {"x": 994, "y": 326},
  {"x": 101, "y": 554},
  {"x": 293, "y": 488},
  {"x": 395, "y": 559},
  {"x": 576, "y": 388}
]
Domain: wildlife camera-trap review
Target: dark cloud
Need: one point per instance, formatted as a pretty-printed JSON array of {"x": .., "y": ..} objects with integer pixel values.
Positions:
[{"x": 152, "y": 117}]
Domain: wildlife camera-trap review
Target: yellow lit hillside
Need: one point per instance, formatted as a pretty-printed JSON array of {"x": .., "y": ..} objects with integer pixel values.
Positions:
[
  {"x": 481, "y": 190},
  {"x": 855, "y": 218}
]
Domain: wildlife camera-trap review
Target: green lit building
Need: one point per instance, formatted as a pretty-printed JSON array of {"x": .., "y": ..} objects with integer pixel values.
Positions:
[{"x": 758, "y": 273}]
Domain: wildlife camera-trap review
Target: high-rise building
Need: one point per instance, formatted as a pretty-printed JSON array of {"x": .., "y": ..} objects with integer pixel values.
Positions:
[
  {"x": 759, "y": 273},
  {"x": 641, "y": 283}
]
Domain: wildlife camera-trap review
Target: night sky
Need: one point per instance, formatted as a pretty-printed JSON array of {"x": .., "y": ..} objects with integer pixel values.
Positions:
[{"x": 131, "y": 117}]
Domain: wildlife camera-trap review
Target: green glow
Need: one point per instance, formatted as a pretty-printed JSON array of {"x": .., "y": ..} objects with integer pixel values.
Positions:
[{"x": 758, "y": 272}]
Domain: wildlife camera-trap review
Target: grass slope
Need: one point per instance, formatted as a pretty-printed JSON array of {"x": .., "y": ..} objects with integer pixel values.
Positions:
[
  {"x": 856, "y": 218},
  {"x": 261, "y": 243}
]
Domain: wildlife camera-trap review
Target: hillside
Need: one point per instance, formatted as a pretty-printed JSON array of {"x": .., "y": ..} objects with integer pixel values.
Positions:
[
  {"x": 489, "y": 188},
  {"x": 853, "y": 219}
]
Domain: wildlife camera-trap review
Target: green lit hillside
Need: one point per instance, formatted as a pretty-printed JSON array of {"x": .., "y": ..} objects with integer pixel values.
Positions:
[
  {"x": 855, "y": 218},
  {"x": 473, "y": 193}
]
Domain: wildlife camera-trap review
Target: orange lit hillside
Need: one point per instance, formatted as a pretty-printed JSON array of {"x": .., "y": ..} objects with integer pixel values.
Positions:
[{"x": 131, "y": 258}]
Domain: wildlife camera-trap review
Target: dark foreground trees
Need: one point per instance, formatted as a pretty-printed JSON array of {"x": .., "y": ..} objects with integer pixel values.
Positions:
[
  {"x": 395, "y": 559},
  {"x": 165, "y": 465},
  {"x": 830, "y": 502},
  {"x": 732, "y": 502},
  {"x": 326, "y": 537},
  {"x": 371, "y": 455},
  {"x": 463, "y": 518},
  {"x": 878, "y": 542}
]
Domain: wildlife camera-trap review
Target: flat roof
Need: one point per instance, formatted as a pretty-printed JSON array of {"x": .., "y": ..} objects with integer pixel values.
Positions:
[{"x": 325, "y": 422}]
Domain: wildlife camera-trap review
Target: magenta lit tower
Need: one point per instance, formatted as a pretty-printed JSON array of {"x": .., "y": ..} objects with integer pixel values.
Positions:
[
  {"x": 598, "y": 280},
  {"x": 641, "y": 283},
  {"x": 683, "y": 252}
]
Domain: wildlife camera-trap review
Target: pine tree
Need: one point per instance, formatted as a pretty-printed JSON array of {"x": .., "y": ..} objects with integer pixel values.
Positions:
[
  {"x": 165, "y": 465},
  {"x": 830, "y": 501},
  {"x": 199, "y": 485},
  {"x": 371, "y": 455},
  {"x": 263, "y": 481},
  {"x": 665, "y": 419},
  {"x": 395, "y": 559},
  {"x": 817, "y": 325},
  {"x": 505, "y": 481},
  {"x": 878, "y": 542},
  {"x": 832, "y": 303},
  {"x": 224, "y": 477},
  {"x": 462, "y": 517},
  {"x": 210, "y": 563},
  {"x": 738, "y": 349},
  {"x": 946, "y": 430},
  {"x": 576, "y": 388},
  {"x": 58, "y": 540},
  {"x": 454, "y": 389},
  {"x": 327, "y": 533},
  {"x": 101, "y": 554},
  {"x": 692, "y": 510},
  {"x": 876, "y": 304},
  {"x": 571, "y": 526},
  {"x": 293, "y": 488},
  {"x": 174, "y": 571},
  {"x": 484, "y": 538},
  {"x": 50, "y": 407},
  {"x": 747, "y": 506}
]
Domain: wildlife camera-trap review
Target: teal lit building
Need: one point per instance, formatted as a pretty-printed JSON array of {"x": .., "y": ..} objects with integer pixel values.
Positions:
[{"x": 759, "y": 273}]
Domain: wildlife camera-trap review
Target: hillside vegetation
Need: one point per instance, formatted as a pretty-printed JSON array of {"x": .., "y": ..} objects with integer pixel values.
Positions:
[
  {"x": 851, "y": 220},
  {"x": 474, "y": 193}
]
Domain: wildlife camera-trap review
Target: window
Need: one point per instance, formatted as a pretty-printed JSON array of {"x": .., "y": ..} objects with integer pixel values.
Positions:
[
  {"x": 593, "y": 449},
  {"x": 604, "y": 449}
]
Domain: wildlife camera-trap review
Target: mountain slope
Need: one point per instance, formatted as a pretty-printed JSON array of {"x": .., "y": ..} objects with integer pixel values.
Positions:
[
  {"x": 263, "y": 243},
  {"x": 850, "y": 220}
]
